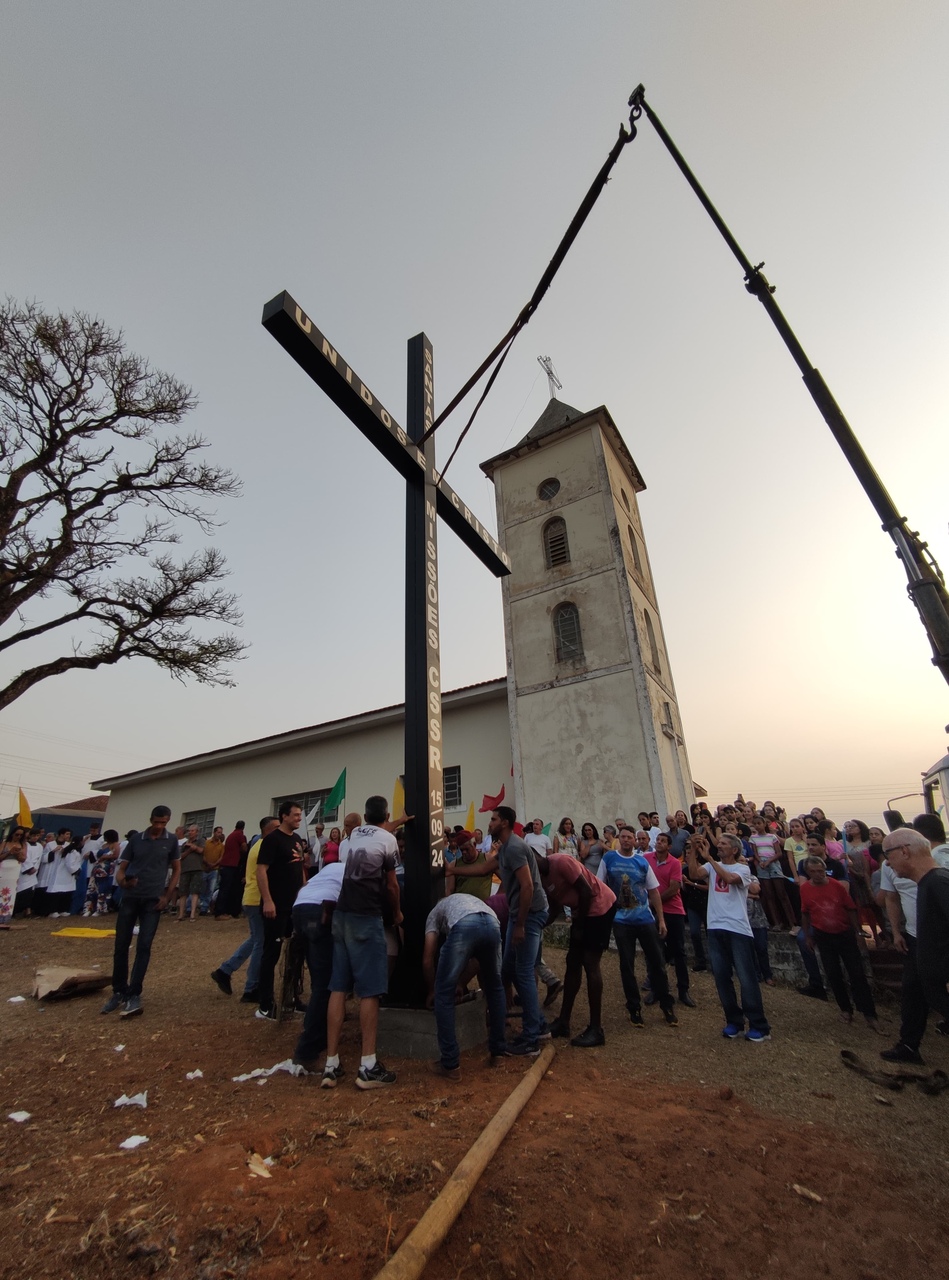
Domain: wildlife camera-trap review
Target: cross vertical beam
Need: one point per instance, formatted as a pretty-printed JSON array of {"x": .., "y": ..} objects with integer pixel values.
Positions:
[{"x": 424, "y": 856}]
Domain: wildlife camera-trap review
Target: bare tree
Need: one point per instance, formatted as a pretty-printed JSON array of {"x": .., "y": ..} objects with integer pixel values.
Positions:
[{"x": 91, "y": 482}]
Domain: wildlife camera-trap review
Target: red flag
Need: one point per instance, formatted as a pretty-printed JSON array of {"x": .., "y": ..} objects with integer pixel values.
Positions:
[{"x": 489, "y": 803}]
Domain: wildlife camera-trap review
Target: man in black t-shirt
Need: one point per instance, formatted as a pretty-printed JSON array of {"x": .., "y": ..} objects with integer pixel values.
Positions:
[
  {"x": 281, "y": 872},
  {"x": 909, "y": 854}
]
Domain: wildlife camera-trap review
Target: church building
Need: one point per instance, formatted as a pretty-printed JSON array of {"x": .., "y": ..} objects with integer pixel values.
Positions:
[{"x": 586, "y": 722}]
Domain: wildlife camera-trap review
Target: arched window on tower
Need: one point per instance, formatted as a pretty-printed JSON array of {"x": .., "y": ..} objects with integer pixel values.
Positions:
[
  {"x": 634, "y": 547},
  {"x": 567, "y": 634},
  {"x": 653, "y": 645},
  {"x": 556, "y": 547}
]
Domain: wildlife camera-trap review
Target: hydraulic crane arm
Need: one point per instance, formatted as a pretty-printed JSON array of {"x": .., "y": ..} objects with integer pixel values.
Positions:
[{"x": 926, "y": 585}]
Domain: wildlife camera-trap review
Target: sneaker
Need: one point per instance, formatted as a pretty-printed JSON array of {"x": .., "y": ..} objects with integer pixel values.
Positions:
[
  {"x": 521, "y": 1048},
  {"x": 559, "y": 1029},
  {"x": 268, "y": 1015},
  {"x": 942, "y": 1028},
  {"x": 133, "y": 1005},
  {"x": 899, "y": 1053},
  {"x": 670, "y": 1017},
  {"x": 636, "y": 1018},
  {"x": 115, "y": 1001},
  {"x": 250, "y": 997},
  {"x": 686, "y": 1000},
  {"x": 816, "y": 993},
  {"x": 331, "y": 1076},
  {"x": 700, "y": 968},
  {"x": 447, "y": 1073},
  {"x": 731, "y": 1031},
  {"x": 545, "y": 1031},
  {"x": 757, "y": 1037},
  {"x": 553, "y": 991},
  {"x": 592, "y": 1038},
  {"x": 222, "y": 980},
  {"x": 374, "y": 1077}
]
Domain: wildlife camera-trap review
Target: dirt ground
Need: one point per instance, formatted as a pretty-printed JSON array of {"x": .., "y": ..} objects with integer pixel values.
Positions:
[{"x": 667, "y": 1152}]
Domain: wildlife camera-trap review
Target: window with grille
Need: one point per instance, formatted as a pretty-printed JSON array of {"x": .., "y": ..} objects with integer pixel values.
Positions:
[
  {"x": 556, "y": 547},
  {"x": 548, "y": 489},
  {"x": 451, "y": 784},
  {"x": 567, "y": 635},
  {"x": 306, "y": 800},
  {"x": 634, "y": 547},
  {"x": 203, "y": 819},
  {"x": 653, "y": 644}
]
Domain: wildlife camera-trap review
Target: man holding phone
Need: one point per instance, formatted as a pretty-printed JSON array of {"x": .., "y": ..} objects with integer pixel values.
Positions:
[{"x": 141, "y": 875}]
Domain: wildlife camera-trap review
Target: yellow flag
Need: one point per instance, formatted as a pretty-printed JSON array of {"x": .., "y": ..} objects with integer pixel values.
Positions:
[
  {"x": 470, "y": 820},
  {"x": 25, "y": 818},
  {"x": 398, "y": 799}
]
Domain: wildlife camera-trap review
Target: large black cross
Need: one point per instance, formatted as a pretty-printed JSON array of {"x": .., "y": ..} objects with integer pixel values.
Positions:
[{"x": 427, "y": 498}]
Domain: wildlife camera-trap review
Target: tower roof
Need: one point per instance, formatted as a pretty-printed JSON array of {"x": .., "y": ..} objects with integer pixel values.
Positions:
[{"x": 556, "y": 415}]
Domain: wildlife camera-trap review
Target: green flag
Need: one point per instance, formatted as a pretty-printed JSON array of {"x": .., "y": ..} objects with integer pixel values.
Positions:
[
  {"x": 336, "y": 796},
  {"x": 546, "y": 830}
]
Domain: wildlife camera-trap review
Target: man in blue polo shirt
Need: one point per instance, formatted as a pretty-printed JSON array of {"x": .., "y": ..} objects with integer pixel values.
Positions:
[{"x": 142, "y": 874}]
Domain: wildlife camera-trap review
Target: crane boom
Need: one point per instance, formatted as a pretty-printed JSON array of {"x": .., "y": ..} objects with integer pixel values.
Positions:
[{"x": 926, "y": 585}]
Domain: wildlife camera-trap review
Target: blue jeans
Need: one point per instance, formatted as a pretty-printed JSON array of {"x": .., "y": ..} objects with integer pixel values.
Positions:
[
  {"x": 252, "y": 946},
  {"x": 518, "y": 967},
  {"x": 318, "y": 940},
  {"x": 815, "y": 979},
  {"x": 208, "y": 885},
  {"x": 735, "y": 953},
  {"x": 144, "y": 913},
  {"x": 475, "y": 937}
]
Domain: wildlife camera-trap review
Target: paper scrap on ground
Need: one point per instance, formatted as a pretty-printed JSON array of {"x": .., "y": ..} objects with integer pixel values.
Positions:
[
  {"x": 258, "y": 1167},
  {"x": 17, "y": 1000},
  {"x": 136, "y": 1100},
  {"x": 118, "y": 1047},
  {"x": 57, "y": 982},
  {"x": 195, "y": 1075},
  {"x": 288, "y": 1065},
  {"x": 19, "y": 1116},
  {"x": 136, "y": 1140}
]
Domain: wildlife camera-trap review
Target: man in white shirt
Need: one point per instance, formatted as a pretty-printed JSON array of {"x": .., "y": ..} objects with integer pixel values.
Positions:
[
  {"x": 899, "y": 899},
  {"x": 26, "y": 882},
  {"x": 536, "y": 840},
  {"x": 313, "y": 922},
  {"x": 731, "y": 947}
]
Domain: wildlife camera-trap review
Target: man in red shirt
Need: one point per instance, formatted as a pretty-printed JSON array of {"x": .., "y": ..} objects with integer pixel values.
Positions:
[
  {"x": 829, "y": 915},
  {"x": 592, "y": 904},
  {"x": 668, "y": 871},
  {"x": 230, "y": 891}
]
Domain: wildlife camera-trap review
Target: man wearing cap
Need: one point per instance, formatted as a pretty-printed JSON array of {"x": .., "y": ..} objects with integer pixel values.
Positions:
[{"x": 141, "y": 874}]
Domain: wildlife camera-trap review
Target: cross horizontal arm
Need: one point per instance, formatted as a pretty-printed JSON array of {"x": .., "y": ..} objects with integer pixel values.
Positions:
[{"x": 314, "y": 353}]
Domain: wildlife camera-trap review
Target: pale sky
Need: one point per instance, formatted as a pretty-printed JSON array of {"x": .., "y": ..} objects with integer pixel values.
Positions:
[{"x": 171, "y": 167}]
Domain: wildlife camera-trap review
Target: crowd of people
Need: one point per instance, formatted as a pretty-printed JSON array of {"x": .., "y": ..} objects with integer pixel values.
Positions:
[{"x": 698, "y": 890}]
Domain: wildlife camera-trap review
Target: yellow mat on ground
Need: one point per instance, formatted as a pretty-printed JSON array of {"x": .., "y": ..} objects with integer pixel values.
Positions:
[{"x": 83, "y": 933}]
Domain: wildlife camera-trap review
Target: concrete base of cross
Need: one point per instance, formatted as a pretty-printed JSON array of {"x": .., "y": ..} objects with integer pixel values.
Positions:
[{"x": 410, "y": 1033}]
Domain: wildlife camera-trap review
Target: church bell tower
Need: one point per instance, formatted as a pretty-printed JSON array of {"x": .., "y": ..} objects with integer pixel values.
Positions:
[{"x": 595, "y": 724}]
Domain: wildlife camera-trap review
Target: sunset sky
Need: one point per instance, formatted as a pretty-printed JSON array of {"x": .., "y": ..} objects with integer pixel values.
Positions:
[{"x": 171, "y": 167}]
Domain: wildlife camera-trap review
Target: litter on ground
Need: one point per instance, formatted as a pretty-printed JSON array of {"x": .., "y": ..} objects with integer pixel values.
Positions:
[
  {"x": 19, "y": 1116},
  {"x": 288, "y": 1065},
  {"x": 136, "y": 1100},
  {"x": 136, "y": 1140}
]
